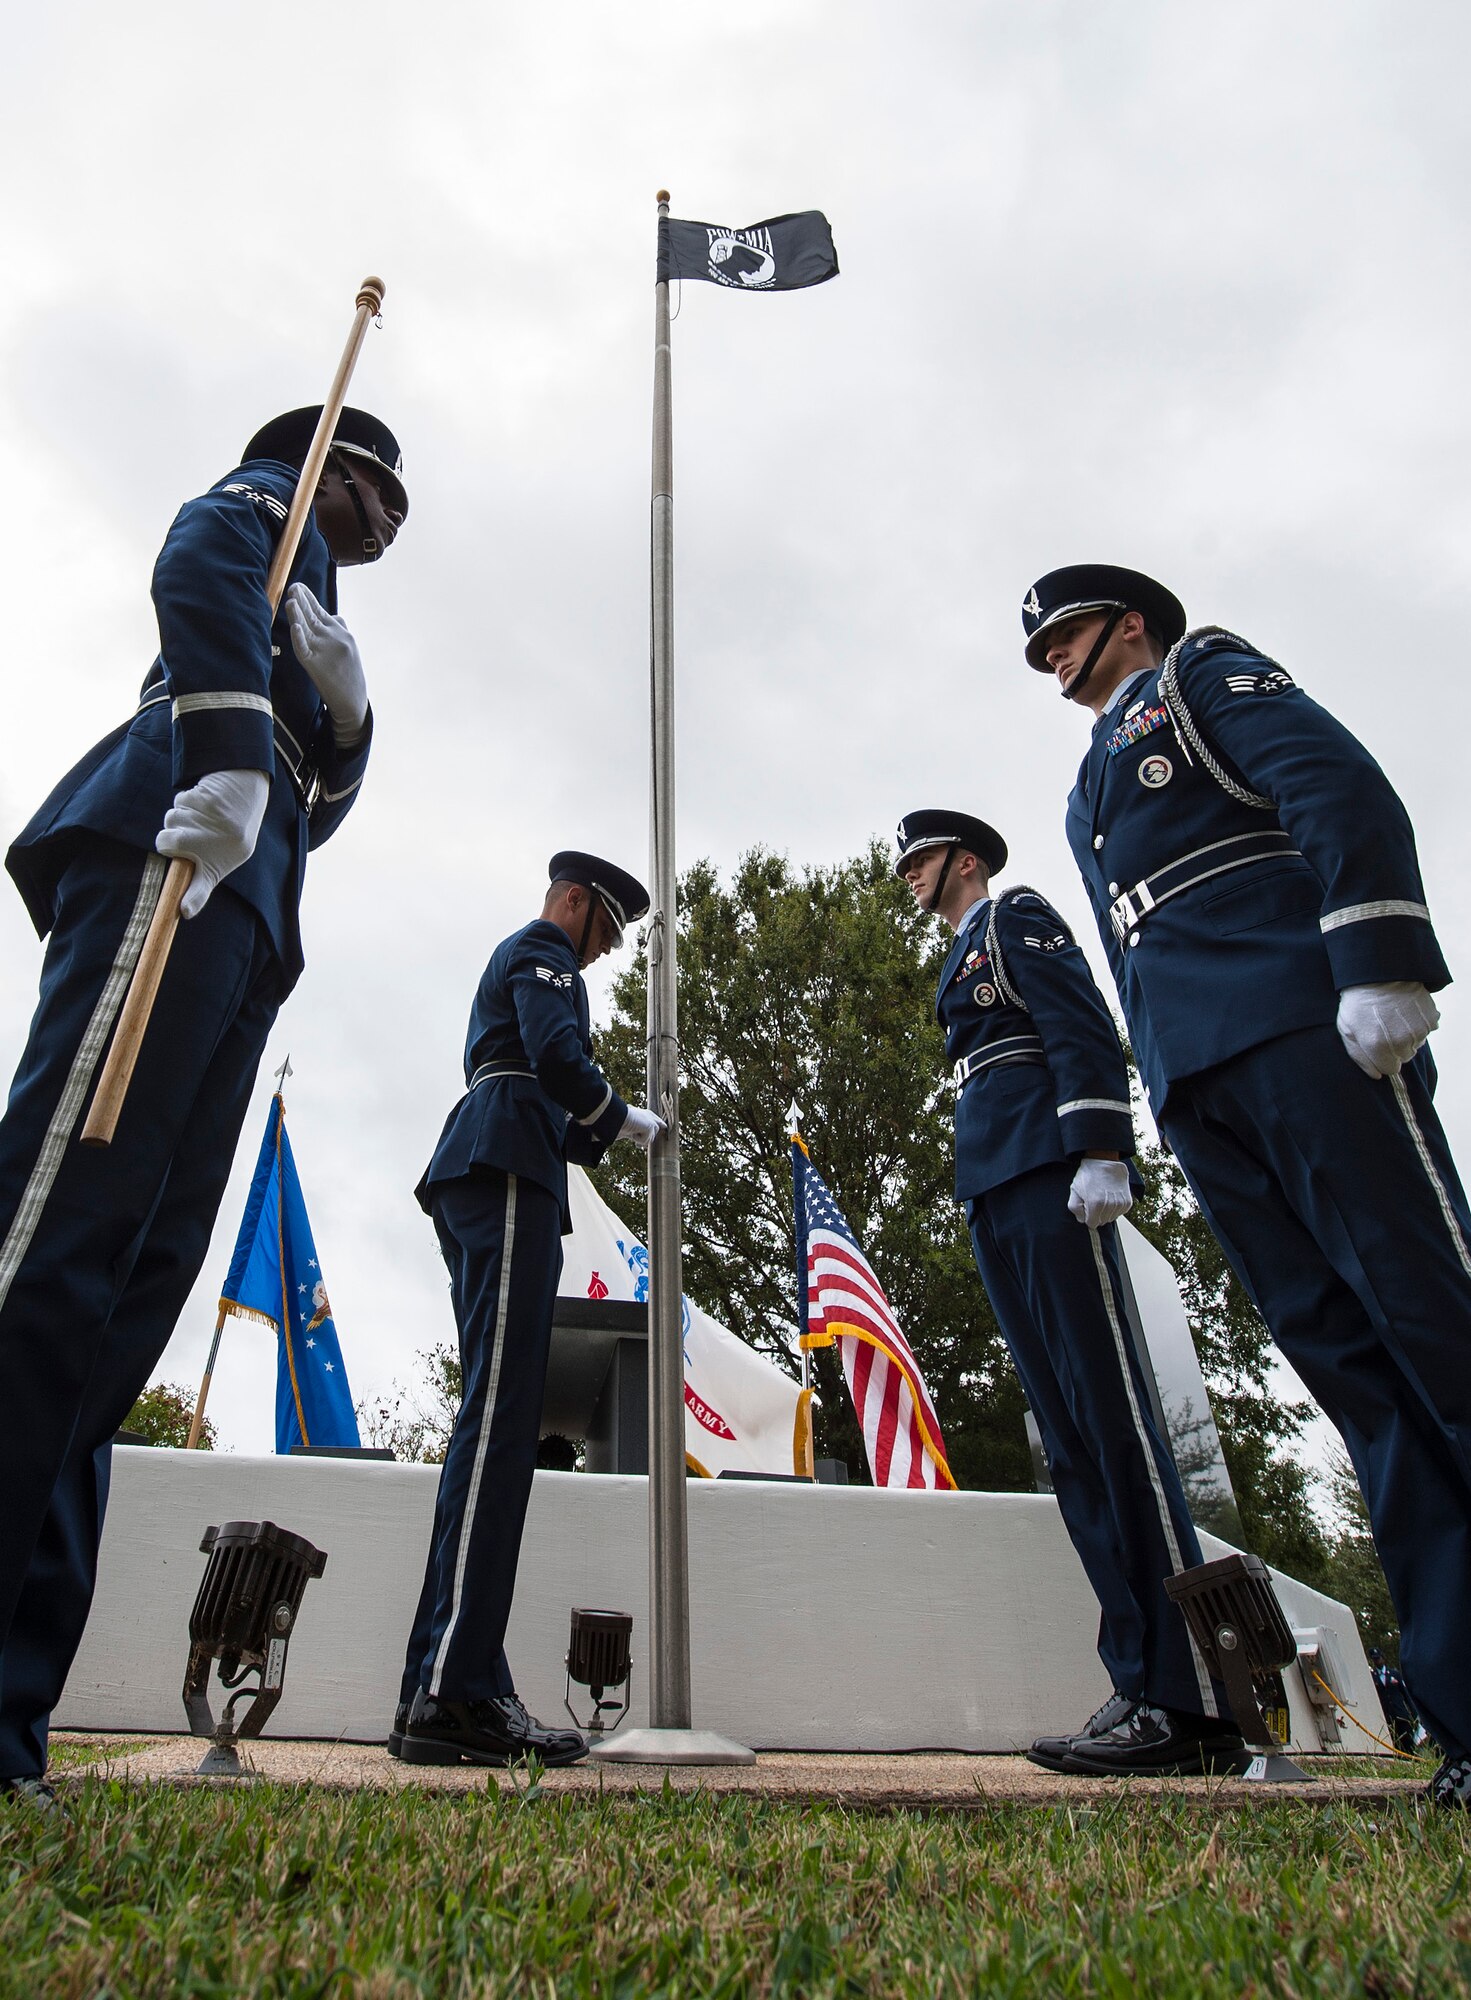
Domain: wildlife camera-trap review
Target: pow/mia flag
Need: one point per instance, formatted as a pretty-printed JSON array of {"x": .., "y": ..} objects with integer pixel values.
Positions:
[{"x": 781, "y": 255}]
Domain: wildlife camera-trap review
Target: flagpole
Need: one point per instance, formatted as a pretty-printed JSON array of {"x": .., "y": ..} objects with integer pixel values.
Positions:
[
  {"x": 196, "y": 1423},
  {"x": 670, "y": 1737}
]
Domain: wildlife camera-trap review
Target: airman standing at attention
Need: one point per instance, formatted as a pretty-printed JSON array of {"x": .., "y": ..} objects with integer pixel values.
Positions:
[
  {"x": 1256, "y": 886},
  {"x": 1043, "y": 1131}
]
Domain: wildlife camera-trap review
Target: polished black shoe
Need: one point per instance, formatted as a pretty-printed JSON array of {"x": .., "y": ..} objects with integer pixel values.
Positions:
[
  {"x": 1159, "y": 1742},
  {"x": 1049, "y": 1751},
  {"x": 395, "y": 1744},
  {"x": 484, "y": 1732},
  {"x": 33, "y": 1792},
  {"x": 1450, "y": 1788}
]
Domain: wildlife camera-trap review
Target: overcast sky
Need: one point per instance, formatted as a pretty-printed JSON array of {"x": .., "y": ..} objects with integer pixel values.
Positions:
[{"x": 1177, "y": 287}]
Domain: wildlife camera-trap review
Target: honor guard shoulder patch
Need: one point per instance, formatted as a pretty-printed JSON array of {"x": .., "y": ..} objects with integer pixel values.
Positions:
[
  {"x": 1275, "y": 682},
  {"x": 1156, "y": 771}
]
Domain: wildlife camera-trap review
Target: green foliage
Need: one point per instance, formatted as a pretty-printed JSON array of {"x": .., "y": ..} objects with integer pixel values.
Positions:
[
  {"x": 1353, "y": 1562},
  {"x": 415, "y": 1425},
  {"x": 397, "y": 1895},
  {"x": 163, "y": 1414},
  {"x": 818, "y": 986}
]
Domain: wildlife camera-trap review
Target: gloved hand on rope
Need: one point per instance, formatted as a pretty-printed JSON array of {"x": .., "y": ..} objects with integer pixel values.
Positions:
[
  {"x": 214, "y": 824},
  {"x": 1100, "y": 1193},
  {"x": 1383, "y": 1026},
  {"x": 329, "y": 654},
  {"x": 643, "y": 1127}
]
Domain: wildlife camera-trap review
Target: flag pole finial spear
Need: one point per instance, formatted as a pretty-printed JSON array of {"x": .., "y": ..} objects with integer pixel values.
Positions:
[{"x": 281, "y": 1075}]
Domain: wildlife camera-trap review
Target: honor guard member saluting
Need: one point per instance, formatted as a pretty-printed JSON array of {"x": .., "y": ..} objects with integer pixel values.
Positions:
[
  {"x": 1043, "y": 1130},
  {"x": 497, "y": 1192},
  {"x": 246, "y": 749},
  {"x": 1255, "y": 883}
]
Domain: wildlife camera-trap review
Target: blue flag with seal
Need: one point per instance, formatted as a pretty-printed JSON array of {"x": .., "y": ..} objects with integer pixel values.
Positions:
[{"x": 274, "y": 1277}]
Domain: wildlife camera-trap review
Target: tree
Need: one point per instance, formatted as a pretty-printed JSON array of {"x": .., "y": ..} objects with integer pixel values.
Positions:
[
  {"x": 1355, "y": 1575},
  {"x": 163, "y": 1414},
  {"x": 417, "y": 1431},
  {"x": 819, "y": 986}
]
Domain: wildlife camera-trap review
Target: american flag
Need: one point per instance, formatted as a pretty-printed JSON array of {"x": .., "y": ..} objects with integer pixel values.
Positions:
[{"x": 840, "y": 1299}]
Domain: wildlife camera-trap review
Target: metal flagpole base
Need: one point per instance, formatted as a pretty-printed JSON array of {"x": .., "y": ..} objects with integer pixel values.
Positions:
[
  {"x": 1271, "y": 1767},
  {"x": 671, "y": 1746}
]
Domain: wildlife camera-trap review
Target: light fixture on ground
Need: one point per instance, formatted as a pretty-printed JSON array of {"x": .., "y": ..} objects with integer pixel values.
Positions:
[
  {"x": 1236, "y": 1621},
  {"x": 244, "y": 1614},
  {"x": 599, "y": 1658}
]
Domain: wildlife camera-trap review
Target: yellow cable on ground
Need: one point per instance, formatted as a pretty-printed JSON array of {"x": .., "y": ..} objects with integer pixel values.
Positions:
[{"x": 1393, "y": 1748}]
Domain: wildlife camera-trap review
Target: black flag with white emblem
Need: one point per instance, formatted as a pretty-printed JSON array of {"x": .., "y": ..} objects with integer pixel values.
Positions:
[{"x": 781, "y": 255}]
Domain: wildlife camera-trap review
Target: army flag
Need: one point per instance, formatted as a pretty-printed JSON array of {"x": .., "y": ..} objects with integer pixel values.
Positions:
[
  {"x": 275, "y": 1278},
  {"x": 841, "y": 1300},
  {"x": 782, "y": 255}
]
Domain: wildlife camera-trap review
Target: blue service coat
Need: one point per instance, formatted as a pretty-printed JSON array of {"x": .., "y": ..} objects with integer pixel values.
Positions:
[
  {"x": 1049, "y": 1081},
  {"x": 530, "y": 1016},
  {"x": 226, "y": 693},
  {"x": 1243, "y": 953}
]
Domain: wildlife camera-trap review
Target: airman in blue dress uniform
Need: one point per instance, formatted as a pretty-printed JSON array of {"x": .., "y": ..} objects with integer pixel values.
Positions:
[
  {"x": 1255, "y": 882},
  {"x": 1043, "y": 1132},
  {"x": 246, "y": 749},
  {"x": 496, "y": 1189}
]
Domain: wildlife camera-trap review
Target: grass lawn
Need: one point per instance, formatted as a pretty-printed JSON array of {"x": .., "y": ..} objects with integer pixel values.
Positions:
[{"x": 294, "y": 1891}]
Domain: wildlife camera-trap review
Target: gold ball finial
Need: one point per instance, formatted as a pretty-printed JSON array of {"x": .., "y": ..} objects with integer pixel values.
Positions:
[{"x": 662, "y": 195}]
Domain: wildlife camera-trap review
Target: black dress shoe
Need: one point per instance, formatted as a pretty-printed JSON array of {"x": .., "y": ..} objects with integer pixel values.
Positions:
[
  {"x": 498, "y": 1731},
  {"x": 1450, "y": 1788},
  {"x": 33, "y": 1792},
  {"x": 1159, "y": 1742},
  {"x": 1049, "y": 1751},
  {"x": 395, "y": 1744}
]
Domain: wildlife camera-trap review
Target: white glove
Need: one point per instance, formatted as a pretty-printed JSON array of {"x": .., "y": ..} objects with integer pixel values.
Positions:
[
  {"x": 643, "y": 1127},
  {"x": 214, "y": 824},
  {"x": 1383, "y": 1026},
  {"x": 329, "y": 654},
  {"x": 1100, "y": 1192}
]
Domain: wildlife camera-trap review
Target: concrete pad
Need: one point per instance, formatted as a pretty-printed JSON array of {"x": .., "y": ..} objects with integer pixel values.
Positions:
[{"x": 934, "y": 1780}]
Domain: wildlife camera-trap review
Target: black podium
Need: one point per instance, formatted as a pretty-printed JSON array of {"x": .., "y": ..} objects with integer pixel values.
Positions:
[{"x": 598, "y": 1381}]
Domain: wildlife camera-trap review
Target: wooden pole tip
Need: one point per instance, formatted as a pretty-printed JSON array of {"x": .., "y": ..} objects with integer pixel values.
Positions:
[
  {"x": 370, "y": 293},
  {"x": 662, "y": 195}
]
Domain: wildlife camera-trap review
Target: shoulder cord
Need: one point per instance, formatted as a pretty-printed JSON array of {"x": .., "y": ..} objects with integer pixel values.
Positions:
[
  {"x": 993, "y": 942},
  {"x": 1187, "y": 730}
]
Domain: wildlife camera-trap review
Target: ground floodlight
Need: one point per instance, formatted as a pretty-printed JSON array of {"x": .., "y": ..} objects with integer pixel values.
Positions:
[
  {"x": 246, "y": 1609},
  {"x": 1236, "y": 1621},
  {"x": 598, "y": 1657}
]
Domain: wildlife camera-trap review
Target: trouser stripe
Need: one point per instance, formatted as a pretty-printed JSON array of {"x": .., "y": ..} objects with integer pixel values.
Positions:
[
  {"x": 1452, "y": 1221},
  {"x": 63, "y": 1121},
  {"x": 1172, "y": 1542},
  {"x": 487, "y": 1418}
]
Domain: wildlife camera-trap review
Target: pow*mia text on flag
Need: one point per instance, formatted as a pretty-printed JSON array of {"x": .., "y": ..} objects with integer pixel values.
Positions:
[
  {"x": 781, "y": 255},
  {"x": 839, "y": 1299}
]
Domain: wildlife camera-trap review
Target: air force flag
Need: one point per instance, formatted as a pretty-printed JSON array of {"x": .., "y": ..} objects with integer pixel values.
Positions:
[{"x": 275, "y": 1277}]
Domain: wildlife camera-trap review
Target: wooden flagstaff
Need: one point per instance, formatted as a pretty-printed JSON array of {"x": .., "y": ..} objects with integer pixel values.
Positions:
[
  {"x": 196, "y": 1423},
  {"x": 132, "y": 1024}
]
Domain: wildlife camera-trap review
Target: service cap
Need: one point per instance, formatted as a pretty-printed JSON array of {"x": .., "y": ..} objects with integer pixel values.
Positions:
[
  {"x": 358, "y": 434},
  {"x": 622, "y": 895},
  {"x": 936, "y": 828},
  {"x": 1084, "y": 587}
]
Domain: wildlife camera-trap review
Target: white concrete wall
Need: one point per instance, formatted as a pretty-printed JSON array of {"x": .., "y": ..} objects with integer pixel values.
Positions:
[{"x": 823, "y": 1618}]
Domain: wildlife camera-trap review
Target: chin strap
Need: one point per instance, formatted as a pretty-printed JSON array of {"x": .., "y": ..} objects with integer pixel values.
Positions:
[
  {"x": 1095, "y": 655},
  {"x": 372, "y": 547},
  {"x": 586, "y": 930},
  {"x": 939, "y": 889}
]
